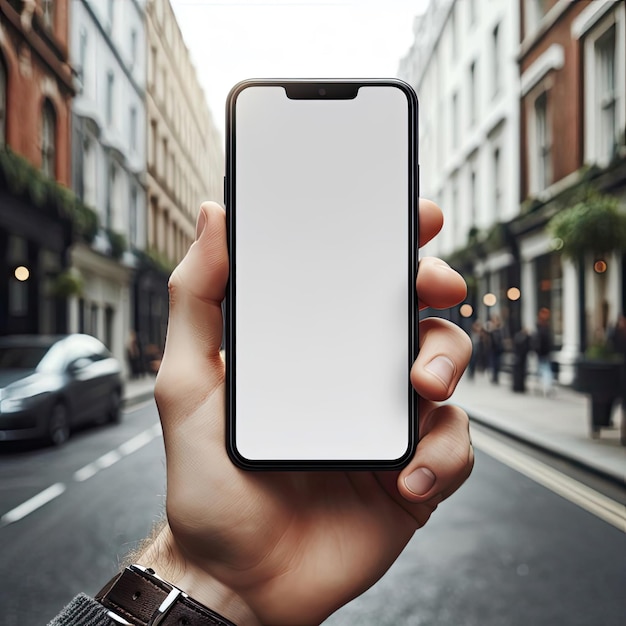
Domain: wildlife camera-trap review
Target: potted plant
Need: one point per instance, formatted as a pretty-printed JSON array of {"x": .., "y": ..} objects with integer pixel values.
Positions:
[{"x": 591, "y": 230}]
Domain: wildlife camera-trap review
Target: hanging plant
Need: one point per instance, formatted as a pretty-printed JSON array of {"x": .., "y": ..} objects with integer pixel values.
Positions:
[
  {"x": 66, "y": 284},
  {"x": 595, "y": 226}
]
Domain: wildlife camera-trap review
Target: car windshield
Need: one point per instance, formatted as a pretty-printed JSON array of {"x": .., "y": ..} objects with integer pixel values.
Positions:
[{"x": 21, "y": 357}]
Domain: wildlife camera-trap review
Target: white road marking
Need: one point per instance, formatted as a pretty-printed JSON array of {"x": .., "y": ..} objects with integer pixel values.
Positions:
[
  {"x": 32, "y": 504},
  {"x": 81, "y": 475},
  {"x": 112, "y": 457},
  {"x": 585, "y": 497}
]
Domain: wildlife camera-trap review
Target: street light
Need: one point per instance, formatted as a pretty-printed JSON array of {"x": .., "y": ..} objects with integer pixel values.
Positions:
[{"x": 21, "y": 273}]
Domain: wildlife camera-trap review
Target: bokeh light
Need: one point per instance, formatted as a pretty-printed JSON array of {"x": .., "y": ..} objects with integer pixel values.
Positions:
[
  {"x": 513, "y": 293},
  {"x": 489, "y": 299},
  {"x": 600, "y": 266},
  {"x": 21, "y": 273}
]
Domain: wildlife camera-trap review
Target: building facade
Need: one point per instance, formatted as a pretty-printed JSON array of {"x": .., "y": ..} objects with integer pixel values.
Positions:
[
  {"x": 464, "y": 69},
  {"x": 523, "y": 107},
  {"x": 185, "y": 160},
  {"x": 36, "y": 89},
  {"x": 573, "y": 120},
  {"x": 109, "y": 162}
]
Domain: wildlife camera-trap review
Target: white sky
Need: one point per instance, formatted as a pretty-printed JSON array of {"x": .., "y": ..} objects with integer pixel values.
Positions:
[{"x": 237, "y": 39}]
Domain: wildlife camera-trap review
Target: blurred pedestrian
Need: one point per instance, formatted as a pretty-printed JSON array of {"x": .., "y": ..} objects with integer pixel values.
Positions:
[
  {"x": 521, "y": 348},
  {"x": 134, "y": 355},
  {"x": 477, "y": 360},
  {"x": 542, "y": 346},
  {"x": 496, "y": 347}
]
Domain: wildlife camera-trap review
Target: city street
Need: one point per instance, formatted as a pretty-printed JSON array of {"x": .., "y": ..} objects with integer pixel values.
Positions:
[{"x": 503, "y": 551}]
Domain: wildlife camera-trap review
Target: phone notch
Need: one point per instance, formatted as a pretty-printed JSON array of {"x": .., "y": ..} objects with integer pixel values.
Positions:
[{"x": 322, "y": 91}]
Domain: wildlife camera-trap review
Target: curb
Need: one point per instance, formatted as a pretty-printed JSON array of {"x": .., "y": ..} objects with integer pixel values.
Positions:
[
  {"x": 130, "y": 401},
  {"x": 617, "y": 479}
]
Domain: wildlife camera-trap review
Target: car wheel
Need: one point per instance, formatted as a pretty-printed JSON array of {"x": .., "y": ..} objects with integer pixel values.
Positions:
[
  {"x": 115, "y": 407},
  {"x": 59, "y": 425}
]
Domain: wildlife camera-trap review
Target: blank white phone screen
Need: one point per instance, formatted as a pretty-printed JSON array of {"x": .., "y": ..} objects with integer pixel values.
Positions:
[{"x": 322, "y": 279}]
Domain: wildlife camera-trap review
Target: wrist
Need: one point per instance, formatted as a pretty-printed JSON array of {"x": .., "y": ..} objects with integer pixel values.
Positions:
[{"x": 164, "y": 557}]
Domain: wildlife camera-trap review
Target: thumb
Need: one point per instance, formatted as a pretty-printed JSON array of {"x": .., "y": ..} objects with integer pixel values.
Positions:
[{"x": 192, "y": 366}]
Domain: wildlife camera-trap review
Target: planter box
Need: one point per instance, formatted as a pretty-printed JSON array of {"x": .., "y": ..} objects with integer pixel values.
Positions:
[{"x": 600, "y": 380}]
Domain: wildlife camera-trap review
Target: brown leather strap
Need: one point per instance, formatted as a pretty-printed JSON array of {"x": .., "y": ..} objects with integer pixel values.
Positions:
[{"x": 141, "y": 598}]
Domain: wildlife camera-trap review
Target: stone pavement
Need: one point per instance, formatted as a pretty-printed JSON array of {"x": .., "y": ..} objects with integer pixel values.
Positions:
[{"x": 558, "y": 424}]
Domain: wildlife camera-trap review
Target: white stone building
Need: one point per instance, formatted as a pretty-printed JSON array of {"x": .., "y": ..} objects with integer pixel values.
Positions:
[
  {"x": 108, "y": 52},
  {"x": 463, "y": 67}
]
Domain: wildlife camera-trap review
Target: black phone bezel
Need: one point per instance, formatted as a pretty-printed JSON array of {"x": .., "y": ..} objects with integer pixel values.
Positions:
[{"x": 319, "y": 89}]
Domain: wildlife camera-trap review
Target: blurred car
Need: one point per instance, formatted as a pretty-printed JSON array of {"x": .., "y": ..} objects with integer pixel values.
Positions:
[{"x": 50, "y": 384}]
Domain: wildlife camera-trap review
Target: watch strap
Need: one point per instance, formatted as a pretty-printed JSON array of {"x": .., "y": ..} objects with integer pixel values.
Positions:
[{"x": 138, "y": 597}]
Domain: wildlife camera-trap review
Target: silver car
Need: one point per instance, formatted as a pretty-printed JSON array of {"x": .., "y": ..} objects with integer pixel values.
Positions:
[{"x": 50, "y": 384}]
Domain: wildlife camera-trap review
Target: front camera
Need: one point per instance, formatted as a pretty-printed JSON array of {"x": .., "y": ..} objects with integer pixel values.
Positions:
[{"x": 322, "y": 91}]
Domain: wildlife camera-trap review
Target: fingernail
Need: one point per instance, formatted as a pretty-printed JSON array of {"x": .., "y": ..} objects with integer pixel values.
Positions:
[
  {"x": 443, "y": 368},
  {"x": 200, "y": 224},
  {"x": 420, "y": 481}
]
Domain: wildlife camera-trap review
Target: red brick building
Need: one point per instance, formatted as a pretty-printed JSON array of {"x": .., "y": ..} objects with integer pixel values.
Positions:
[
  {"x": 572, "y": 121},
  {"x": 36, "y": 89}
]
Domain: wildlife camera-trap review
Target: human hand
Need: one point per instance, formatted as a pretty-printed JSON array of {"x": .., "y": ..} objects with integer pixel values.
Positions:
[{"x": 289, "y": 548}]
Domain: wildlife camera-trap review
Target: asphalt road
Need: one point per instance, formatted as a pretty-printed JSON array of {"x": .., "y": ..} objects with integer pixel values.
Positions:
[{"x": 504, "y": 551}]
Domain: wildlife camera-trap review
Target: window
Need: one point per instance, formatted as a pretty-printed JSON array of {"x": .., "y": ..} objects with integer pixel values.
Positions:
[
  {"x": 543, "y": 165},
  {"x": 453, "y": 34},
  {"x": 473, "y": 93},
  {"x": 607, "y": 95},
  {"x": 455, "y": 120},
  {"x": 497, "y": 182},
  {"x": 133, "y": 129},
  {"x": 473, "y": 196},
  {"x": 154, "y": 142},
  {"x": 82, "y": 56},
  {"x": 47, "y": 8},
  {"x": 110, "y": 103},
  {"x": 132, "y": 217},
  {"x": 48, "y": 140},
  {"x": 153, "y": 65},
  {"x": 164, "y": 162},
  {"x": 94, "y": 314},
  {"x": 133, "y": 47},
  {"x": 110, "y": 14},
  {"x": 108, "y": 218},
  {"x": 495, "y": 53},
  {"x": 81, "y": 315},
  {"x": 3, "y": 103},
  {"x": 109, "y": 317}
]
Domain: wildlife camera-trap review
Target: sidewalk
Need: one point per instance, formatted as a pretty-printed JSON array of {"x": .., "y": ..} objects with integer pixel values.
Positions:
[
  {"x": 138, "y": 390},
  {"x": 558, "y": 424}
]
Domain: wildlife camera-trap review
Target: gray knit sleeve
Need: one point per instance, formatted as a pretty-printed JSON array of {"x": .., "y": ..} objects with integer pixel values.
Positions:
[{"x": 82, "y": 611}]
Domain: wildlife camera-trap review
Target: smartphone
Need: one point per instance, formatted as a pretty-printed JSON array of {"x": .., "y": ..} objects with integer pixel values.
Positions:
[{"x": 321, "y": 197}]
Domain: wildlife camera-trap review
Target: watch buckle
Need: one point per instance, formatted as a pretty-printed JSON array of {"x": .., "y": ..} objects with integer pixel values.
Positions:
[{"x": 164, "y": 608}]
